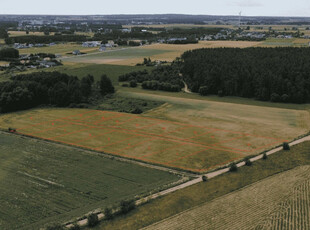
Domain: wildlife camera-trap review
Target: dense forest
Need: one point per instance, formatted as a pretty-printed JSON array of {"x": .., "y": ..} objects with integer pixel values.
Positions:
[
  {"x": 48, "y": 88},
  {"x": 269, "y": 74},
  {"x": 164, "y": 78}
]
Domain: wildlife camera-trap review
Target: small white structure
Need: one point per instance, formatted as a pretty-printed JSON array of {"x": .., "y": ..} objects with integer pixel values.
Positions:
[
  {"x": 102, "y": 48},
  {"x": 91, "y": 44},
  {"x": 76, "y": 52}
]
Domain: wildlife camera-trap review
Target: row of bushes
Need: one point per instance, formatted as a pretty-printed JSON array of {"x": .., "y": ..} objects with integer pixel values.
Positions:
[
  {"x": 93, "y": 220},
  {"x": 156, "y": 85},
  {"x": 233, "y": 166}
]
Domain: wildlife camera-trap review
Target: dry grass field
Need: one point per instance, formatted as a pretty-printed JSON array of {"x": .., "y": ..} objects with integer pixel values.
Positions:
[
  {"x": 278, "y": 202},
  {"x": 23, "y": 33},
  {"x": 192, "y": 135},
  {"x": 3, "y": 63},
  {"x": 163, "y": 52},
  {"x": 61, "y": 49}
]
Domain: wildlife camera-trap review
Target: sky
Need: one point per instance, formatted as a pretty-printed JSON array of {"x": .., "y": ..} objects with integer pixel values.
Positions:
[{"x": 299, "y": 8}]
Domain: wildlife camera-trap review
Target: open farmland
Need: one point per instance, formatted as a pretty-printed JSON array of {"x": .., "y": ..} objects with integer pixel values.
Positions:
[
  {"x": 61, "y": 49},
  {"x": 196, "y": 147},
  {"x": 163, "y": 52},
  {"x": 23, "y": 33},
  {"x": 81, "y": 70},
  {"x": 125, "y": 56},
  {"x": 43, "y": 182},
  {"x": 278, "y": 202}
]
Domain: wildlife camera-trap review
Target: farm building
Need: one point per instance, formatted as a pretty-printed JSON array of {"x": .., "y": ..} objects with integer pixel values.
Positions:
[{"x": 91, "y": 44}]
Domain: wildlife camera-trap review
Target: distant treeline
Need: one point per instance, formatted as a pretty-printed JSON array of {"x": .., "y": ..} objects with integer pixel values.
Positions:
[
  {"x": 136, "y": 33},
  {"x": 48, "y": 88},
  {"x": 45, "y": 39},
  {"x": 268, "y": 74},
  {"x": 161, "y": 78},
  {"x": 196, "y": 32}
]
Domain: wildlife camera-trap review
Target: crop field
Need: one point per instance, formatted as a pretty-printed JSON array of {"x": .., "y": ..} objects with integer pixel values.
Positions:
[
  {"x": 81, "y": 70},
  {"x": 61, "y": 49},
  {"x": 44, "y": 182},
  {"x": 164, "y": 52},
  {"x": 23, "y": 33},
  {"x": 278, "y": 42},
  {"x": 3, "y": 63},
  {"x": 278, "y": 202},
  {"x": 182, "y": 145},
  {"x": 125, "y": 56}
]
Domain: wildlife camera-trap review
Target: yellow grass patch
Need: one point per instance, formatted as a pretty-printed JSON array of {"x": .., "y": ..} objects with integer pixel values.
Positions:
[{"x": 196, "y": 139}]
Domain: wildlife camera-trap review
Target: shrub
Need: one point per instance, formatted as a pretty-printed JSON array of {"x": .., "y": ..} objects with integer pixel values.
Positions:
[
  {"x": 286, "y": 146},
  {"x": 248, "y": 162},
  {"x": 75, "y": 227},
  {"x": 275, "y": 97},
  {"x": 127, "y": 206},
  {"x": 125, "y": 85},
  {"x": 136, "y": 111},
  {"x": 204, "y": 178},
  {"x": 92, "y": 220},
  {"x": 203, "y": 90},
  {"x": 220, "y": 93},
  {"x": 55, "y": 227},
  {"x": 108, "y": 214},
  {"x": 133, "y": 83},
  {"x": 233, "y": 167},
  {"x": 284, "y": 97},
  {"x": 265, "y": 156}
]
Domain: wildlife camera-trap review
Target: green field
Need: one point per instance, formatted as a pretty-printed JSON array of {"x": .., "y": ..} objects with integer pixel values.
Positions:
[
  {"x": 81, "y": 70},
  {"x": 42, "y": 182},
  {"x": 279, "y": 42}
]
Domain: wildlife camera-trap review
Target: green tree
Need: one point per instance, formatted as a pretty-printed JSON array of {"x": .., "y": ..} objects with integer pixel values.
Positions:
[{"x": 106, "y": 86}]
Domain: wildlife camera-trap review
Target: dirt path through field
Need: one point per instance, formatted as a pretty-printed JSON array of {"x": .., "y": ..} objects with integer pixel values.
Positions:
[
  {"x": 198, "y": 180},
  {"x": 186, "y": 89},
  {"x": 274, "y": 201}
]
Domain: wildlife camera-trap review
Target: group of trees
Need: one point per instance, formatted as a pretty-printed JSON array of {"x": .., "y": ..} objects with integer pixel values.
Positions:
[
  {"x": 8, "y": 54},
  {"x": 53, "y": 88},
  {"x": 3, "y": 33},
  {"x": 164, "y": 78},
  {"x": 269, "y": 74},
  {"x": 45, "y": 39}
]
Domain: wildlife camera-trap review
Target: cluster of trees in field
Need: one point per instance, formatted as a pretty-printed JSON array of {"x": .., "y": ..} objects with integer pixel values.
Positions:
[
  {"x": 45, "y": 39},
  {"x": 164, "y": 78},
  {"x": 3, "y": 33},
  {"x": 8, "y": 54},
  {"x": 268, "y": 74},
  {"x": 52, "y": 88}
]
